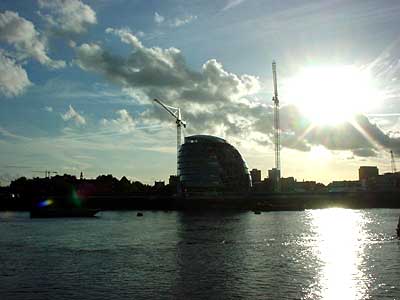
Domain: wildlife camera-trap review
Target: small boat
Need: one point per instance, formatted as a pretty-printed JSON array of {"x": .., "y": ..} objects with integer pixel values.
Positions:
[{"x": 63, "y": 212}]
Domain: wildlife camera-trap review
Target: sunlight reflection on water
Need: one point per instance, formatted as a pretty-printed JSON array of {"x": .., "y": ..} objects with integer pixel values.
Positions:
[{"x": 339, "y": 245}]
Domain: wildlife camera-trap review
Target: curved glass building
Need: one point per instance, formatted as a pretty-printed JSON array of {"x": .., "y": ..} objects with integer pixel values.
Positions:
[{"x": 208, "y": 164}]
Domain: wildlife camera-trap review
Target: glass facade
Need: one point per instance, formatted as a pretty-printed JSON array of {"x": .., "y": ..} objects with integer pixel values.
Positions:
[{"x": 210, "y": 164}]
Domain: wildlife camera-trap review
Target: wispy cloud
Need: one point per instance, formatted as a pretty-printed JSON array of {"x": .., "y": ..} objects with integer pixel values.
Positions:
[
  {"x": 123, "y": 123},
  {"x": 177, "y": 22},
  {"x": 173, "y": 22},
  {"x": 231, "y": 4},
  {"x": 158, "y": 18},
  {"x": 6, "y": 133},
  {"x": 71, "y": 114}
]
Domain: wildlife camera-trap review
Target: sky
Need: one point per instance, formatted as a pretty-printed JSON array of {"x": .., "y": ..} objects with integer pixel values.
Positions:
[{"x": 78, "y": 79}]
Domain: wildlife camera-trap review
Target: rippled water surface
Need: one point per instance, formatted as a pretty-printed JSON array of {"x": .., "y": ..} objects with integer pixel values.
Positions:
[{"x": 315, "y": 254}]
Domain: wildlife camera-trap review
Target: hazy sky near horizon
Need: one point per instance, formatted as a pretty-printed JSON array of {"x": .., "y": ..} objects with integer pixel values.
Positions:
[{"x": 78, "y": 78}]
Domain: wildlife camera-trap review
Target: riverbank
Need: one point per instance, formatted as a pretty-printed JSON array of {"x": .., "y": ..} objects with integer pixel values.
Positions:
[{"x": 251, "y": 201}]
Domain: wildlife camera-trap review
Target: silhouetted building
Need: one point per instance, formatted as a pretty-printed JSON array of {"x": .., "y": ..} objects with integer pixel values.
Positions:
[
  {"x": 367, "y": 172},
  {"x": 208, "y": 164},
  {"x": 255, "y": 175},
  {"x": 159, "y": 184},
  {"x": 385, "y": 182},
  {"x": 173, "y": 180},
  {"x": 274, "y": 176},
  {"x": 344, "y": 186},
  {"x": 288, "y": 184}
]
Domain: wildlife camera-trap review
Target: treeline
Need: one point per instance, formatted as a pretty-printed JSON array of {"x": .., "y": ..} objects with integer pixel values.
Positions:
[{"x": 106, "y": 192}]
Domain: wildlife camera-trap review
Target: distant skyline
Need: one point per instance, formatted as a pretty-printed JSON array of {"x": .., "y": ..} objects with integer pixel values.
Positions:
[{"x": 78, "y": 78}]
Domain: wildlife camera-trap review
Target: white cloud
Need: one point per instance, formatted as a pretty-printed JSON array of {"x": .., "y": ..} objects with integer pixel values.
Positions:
[
  {"x": 22, "y": 34},
  {"x": 149, "y": 73},
  {"x": 158, "y": 18},
  {"x": 231, "y": 4},
  {"x": 71, "y": 114},
  {"x": 67, "y": 16},
  {"x": 48, "y": 108},
  {"x": 177, "y": 22},
  {"x": 126, "y": 36},
  {"x": 13, "y": 78}
]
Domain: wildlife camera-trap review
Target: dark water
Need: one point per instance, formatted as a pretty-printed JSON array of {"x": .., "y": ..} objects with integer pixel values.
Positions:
[{"x": 316, "y": 254}]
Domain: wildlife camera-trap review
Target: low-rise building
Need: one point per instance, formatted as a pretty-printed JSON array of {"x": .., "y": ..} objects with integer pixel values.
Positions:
[{"x": 255, "y": 175}]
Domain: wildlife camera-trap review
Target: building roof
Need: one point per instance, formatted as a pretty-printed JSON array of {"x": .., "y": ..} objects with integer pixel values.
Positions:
[{"x": 204, "y": 139}]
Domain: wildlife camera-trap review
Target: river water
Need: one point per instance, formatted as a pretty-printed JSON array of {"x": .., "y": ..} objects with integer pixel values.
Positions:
[{"x": 315, "y": 254}]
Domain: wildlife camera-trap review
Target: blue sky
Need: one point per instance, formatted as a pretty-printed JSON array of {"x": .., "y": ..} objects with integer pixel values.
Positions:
[{"x": 78, "y": 78}]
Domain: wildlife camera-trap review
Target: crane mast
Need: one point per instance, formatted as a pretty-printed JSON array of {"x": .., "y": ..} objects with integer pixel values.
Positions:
[
  {"x": 176, "y": 113},
  {"x": 276, "y": 123}
]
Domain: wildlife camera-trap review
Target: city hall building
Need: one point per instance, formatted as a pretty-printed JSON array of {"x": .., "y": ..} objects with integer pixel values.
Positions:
[{"x": 210, "y": 165}]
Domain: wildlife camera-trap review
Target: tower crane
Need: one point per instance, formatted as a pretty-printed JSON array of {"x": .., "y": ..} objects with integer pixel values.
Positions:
[
  {"x": 393, "y": 162},
  {"x": 176, "y": 113},
  {"x": 277, "y": 129}
]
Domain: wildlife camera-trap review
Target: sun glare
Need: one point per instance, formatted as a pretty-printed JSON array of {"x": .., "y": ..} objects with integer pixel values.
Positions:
[{"x": 330, "y": 95}]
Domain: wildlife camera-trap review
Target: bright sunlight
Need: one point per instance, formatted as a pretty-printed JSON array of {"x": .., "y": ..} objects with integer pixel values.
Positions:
[{"x": 329, "y": 95}]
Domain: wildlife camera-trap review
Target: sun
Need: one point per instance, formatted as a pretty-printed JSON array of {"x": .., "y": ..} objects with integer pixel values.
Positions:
[{"x": 329, "y": 95}]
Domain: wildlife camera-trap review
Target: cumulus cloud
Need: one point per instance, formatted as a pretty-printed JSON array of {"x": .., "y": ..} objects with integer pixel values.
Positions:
[
  {"x": 13, "y": 78},
  {"x": 126, "y": 36},
  {"x": 124, "y": 123},
  {"x": 22, "y": 35},
  {"x": 72, "y": 115},
  {"x": 163, "y": 73},
  {"x": 67, "y": 16}
]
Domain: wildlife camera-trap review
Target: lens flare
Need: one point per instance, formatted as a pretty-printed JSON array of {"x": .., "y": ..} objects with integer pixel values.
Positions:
[
  {"x": 76, "y": 199},
  {"x": 45, "y": 203}
]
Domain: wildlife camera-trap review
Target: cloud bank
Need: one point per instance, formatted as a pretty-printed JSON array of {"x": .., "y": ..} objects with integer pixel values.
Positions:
[{"x": 216, "y": 101}]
